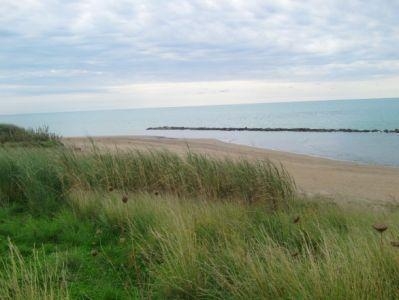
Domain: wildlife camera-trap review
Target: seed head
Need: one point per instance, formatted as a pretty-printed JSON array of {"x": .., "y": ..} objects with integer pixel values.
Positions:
[
  {"x": 94, "y": 252},
  {"x": 380, "y": 227},
  {"x": 110, "y": 188},
  {"x": 296, "y": 219},
  {"x": 125, "y": 198}
]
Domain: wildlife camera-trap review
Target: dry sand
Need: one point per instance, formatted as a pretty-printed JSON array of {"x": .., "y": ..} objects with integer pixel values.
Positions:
[{"x": 315, "y": 176}]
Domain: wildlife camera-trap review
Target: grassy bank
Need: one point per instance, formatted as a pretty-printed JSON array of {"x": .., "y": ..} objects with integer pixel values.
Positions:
[
  {"x": 129, "y": 225},
  {"x": 14, "y": 136}
]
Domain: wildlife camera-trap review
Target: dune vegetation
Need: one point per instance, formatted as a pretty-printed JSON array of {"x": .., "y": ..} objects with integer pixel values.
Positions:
[
  {"x": 136, "y": 225},
  {"x": 11, "y": 135}
]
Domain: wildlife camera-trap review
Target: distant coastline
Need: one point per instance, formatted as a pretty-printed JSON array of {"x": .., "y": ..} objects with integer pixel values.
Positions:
[{"x": 274, "y": 129}]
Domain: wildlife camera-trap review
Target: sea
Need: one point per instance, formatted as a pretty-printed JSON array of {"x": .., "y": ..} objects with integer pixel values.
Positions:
[{"x": 362, "y": 148}]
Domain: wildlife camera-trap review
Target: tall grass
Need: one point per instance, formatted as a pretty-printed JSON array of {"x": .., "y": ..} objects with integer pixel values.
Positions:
[
  {"x": 31, "y": 178},
  {"x": 12, "y": 135},
  {"x": 193, "y": 175},
  {"x": 158, "y": 225},
  {"x": 36, "y": 278},
  {"x": 180, "y": 248},
  {"x": 45, "y": 176}
]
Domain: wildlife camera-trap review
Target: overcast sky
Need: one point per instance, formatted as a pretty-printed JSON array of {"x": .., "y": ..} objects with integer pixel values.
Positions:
[{"x": 60, "y": 55}]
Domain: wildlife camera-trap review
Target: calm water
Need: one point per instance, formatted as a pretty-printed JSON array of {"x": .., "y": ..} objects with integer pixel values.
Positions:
[{"x": 372, "y": 148}]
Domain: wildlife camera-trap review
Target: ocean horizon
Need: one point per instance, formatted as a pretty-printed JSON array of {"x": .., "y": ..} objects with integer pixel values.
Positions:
[{"x": 365, "y": 148}]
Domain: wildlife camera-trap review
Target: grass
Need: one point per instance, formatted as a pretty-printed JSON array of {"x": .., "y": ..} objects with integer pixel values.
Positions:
[
  {"x": 39, "y": 277},
  {"x": 12, "y": 136},
  {"x": 40, "y": 179},
  {"x": 191, "y": 176},
  {"x": 190, "y": 227}
]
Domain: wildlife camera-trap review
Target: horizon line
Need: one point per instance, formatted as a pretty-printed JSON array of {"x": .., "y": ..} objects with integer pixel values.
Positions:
[{"x": 193, "y": 106}]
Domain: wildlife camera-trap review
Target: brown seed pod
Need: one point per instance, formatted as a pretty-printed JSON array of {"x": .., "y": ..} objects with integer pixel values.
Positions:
[
  {"x": 125, "y": 198},
  {"x": 296, "y": 219},
  {"x": 380, "y": 227},
  {"x": 94, "y": 252},
  {"x": 110, "y": 188}
]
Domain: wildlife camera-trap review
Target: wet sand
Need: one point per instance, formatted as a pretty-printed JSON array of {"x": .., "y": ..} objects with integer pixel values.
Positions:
[{"x": 342, "y": 181}]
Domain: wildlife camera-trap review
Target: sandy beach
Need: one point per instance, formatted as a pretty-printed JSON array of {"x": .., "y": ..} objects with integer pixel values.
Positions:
[{"x": 342, "y": 181}]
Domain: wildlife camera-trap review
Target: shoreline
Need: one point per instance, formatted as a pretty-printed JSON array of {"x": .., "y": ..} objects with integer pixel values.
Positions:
[
  {"x": 341, "y": 180},
  {"x": 358, "y": 163}
]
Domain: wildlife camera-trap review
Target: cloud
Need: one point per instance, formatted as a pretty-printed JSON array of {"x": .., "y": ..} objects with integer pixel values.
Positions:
[{"x": 85, "y": 45}]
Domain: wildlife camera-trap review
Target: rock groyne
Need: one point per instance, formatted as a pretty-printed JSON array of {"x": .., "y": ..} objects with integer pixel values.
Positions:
[{"x": 277, "y": 129}]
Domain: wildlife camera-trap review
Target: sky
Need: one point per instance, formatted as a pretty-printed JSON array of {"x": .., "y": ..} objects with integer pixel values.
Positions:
[{"x": 72, "y": 55}]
